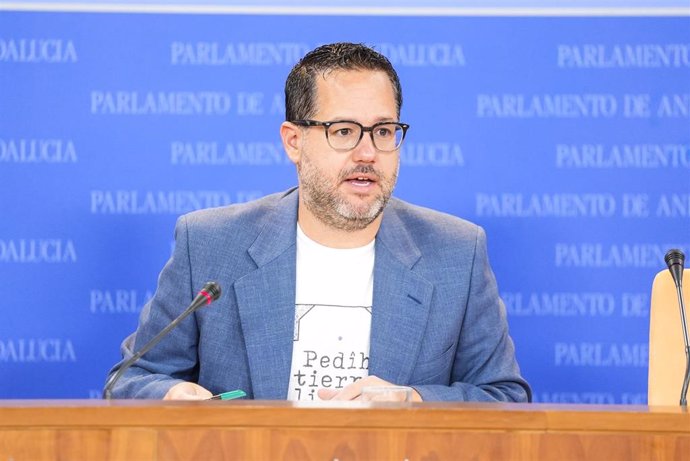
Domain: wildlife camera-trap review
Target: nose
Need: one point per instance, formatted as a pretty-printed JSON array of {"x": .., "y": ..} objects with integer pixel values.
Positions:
[{"x": 365, "y": 150}]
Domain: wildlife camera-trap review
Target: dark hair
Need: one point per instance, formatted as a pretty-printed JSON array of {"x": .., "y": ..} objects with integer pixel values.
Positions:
[{"x": 300, "y": 86}]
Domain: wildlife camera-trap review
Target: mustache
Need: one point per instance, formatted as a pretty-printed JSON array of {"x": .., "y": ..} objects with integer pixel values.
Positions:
[{"x": 361, "y": 169}]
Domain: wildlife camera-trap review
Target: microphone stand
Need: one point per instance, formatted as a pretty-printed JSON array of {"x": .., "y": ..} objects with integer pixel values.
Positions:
[
  {"x": 108, "y": 388},
  {"x": 209, "y": 293},
  {"x": 686, "y": 378}
]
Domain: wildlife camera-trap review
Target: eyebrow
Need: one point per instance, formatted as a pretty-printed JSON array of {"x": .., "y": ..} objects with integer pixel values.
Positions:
[{"x": 378, "y": 120}]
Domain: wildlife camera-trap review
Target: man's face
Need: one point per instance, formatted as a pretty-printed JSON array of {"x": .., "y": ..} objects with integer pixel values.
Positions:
[{"x": 348, "y": 190}]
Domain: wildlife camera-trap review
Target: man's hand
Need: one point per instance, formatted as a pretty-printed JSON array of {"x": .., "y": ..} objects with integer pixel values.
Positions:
[
  {"x": 354, "y": 390},
  {"x": 187, "y": 391}
]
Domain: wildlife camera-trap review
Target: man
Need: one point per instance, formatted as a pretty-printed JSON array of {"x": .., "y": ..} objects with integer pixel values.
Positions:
[{"x": 333, "y": 286}]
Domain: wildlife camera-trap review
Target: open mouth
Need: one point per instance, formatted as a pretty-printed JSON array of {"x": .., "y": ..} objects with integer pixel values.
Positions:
[{"x": 361, "y": 181}]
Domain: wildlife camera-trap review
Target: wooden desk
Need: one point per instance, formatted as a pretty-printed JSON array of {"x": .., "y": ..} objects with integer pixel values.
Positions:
[{"x": 259, "y": 430}]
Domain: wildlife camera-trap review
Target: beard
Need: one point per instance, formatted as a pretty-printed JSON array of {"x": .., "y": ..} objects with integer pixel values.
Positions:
[{"x": 330, "y": 206}]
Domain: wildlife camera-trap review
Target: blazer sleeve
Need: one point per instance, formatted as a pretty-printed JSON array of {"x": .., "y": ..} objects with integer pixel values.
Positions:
[
  {"x": 484, "y": 367},
  {"x": 175, "y": 358}
]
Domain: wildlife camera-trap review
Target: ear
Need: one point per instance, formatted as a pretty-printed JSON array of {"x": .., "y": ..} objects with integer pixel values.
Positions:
[{"x": 291, "y": 135}]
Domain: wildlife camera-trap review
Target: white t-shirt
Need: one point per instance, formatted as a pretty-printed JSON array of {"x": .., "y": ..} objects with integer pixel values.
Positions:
[{"x": 334, "y": 291}]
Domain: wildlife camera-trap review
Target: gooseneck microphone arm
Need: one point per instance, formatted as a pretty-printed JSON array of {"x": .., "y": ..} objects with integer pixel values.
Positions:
[
  {"x": 675, "y": 259},
  {"x": 209, "y": 293}
]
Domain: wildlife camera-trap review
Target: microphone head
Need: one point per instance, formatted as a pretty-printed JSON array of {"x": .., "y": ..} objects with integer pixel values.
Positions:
[
  {"x": 675, "y": 259},
  {"x": 674, "y": 256},
  {"x": 212, "y": 289}
]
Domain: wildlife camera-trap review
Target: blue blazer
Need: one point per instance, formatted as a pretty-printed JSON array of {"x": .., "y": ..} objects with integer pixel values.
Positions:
[{"x": 437, "y": 324}]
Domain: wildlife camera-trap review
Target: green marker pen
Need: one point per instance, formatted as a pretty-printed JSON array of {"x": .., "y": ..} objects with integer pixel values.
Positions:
[{"x": 229, "y": 395}]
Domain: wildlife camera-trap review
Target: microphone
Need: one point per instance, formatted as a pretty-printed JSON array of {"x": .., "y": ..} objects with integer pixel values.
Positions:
[
  {"x": 675, "y": 259},
  {"x": 209, "y": 293}
]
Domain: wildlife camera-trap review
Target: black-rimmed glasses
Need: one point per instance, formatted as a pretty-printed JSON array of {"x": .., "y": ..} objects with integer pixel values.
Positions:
[{"x": 344, "y": 135}]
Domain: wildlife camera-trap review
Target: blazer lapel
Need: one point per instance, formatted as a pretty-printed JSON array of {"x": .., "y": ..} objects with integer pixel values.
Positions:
[
  {"x": 401, "y": 303},
  {"x": 266, "y": 301}
]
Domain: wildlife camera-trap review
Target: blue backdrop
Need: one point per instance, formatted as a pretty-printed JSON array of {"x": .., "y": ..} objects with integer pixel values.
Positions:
[{"x": 567, "y": 138}]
